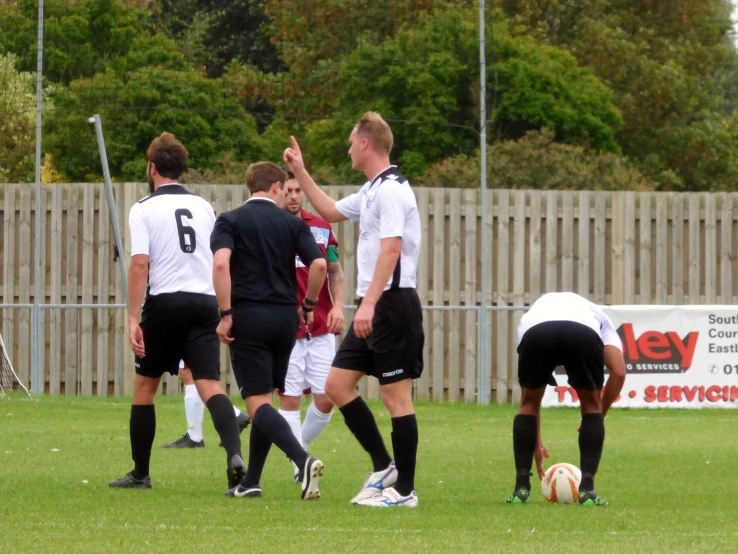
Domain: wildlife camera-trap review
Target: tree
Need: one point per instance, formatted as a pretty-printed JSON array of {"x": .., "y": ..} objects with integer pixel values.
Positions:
[
  {"x": 312, "y": 36},
  {"x": 672, "y": 66},
  {"x": 137, "y": 108},
  {"x": 17, "y": 123},
  {"x": 80, "y": 38},
  {"x": 537, "y": 161},
  {"x": 212, "y": 33},
  {"x": 425, "y": 80}
]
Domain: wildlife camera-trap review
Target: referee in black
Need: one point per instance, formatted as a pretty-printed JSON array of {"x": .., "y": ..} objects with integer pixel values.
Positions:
[{"x": 254, "y": 276}]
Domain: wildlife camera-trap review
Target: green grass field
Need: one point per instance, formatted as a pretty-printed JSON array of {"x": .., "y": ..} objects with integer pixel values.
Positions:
[{"x": 670, "y": 478}]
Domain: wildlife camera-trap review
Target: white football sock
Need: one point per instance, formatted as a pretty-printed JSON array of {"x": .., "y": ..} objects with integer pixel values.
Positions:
[
  {"x": 236, "y": 411},
  {"x": 315, "y": 422},
  {"x": 293, "y": 419},
  {"x": 194, "y": 409}
]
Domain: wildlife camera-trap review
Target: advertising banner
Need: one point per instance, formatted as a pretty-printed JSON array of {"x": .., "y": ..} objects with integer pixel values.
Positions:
[{"x": 675, "y": 356}]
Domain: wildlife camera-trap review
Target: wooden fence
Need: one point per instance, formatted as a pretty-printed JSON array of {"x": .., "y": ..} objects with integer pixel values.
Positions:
[{"x": 614, "y": 247}]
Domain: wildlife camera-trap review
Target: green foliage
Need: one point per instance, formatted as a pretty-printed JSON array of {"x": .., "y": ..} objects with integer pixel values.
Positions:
[
  {"x": 81, "y": 38},
  {"x": 212, "y": 33},
  {"x": 673, "y": 69},
  {"x": 536, "y": 161},
  {"x": 425, "y": 78},
  {"x": 17, "y": 123},
  {"x": 314, "y": 36},
  {"x": 136, "y": 109},
  {"x": 655, "y": 82},
  {"x": 542, "y": 86}
]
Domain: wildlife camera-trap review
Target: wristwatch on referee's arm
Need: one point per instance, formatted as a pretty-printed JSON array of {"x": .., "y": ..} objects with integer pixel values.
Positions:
[
  {"x": 308, "y": 305},
  {"x": 223, "y": 313}
]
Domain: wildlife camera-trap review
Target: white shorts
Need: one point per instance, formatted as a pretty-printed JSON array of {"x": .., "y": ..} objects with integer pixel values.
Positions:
[{"x": 310, "y": 363}]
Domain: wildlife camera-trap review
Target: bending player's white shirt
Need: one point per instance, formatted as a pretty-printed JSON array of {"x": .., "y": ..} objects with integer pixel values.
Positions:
[{"x": 569, "y": 306}]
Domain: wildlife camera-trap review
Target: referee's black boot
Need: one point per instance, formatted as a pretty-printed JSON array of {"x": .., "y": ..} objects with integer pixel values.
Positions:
[
  {"x": 185, "y": 442},
  {"x": 236, "y": 471}
]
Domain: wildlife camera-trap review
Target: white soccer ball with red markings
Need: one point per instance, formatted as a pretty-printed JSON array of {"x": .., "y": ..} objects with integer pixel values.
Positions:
[{"x": 560, "y": 484}]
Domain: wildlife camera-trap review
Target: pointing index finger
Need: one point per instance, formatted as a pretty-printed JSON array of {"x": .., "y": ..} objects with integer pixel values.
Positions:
[{"x": 295, "y": 146}]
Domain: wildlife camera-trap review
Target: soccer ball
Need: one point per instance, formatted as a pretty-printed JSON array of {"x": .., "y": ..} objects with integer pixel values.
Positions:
[{"x": 560, "y": 484}]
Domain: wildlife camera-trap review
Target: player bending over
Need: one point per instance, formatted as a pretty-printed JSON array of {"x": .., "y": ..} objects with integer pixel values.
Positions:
[{"x": 563, "y": 328}]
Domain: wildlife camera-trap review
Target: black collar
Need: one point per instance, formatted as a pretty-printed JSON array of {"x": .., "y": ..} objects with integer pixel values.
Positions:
[
  {"x": 174, "y": 188},
  {"x": 379, "y": 177}
]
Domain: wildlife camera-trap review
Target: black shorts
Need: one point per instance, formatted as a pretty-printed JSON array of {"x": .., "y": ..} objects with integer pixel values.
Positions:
[
  {"x": 180, "y": 326},
  {"x": 394, "y": 350},
  {"x": 260, "y": 354},
  {"x": 553, "y": 343}
]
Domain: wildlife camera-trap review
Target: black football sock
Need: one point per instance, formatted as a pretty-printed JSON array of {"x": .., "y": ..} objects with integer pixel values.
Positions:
[
  {"x": 277, "y": 430},
  {"x": 224, "y": 420},
  {"x": 259, "y": 446},
  {"x": 591, "y": 441},
  {"x": 360, "y": 421},
  {"x": 525, "y": 434},
  {"x": 405, "y": 446},
  {"x": 143, "y": 429}
]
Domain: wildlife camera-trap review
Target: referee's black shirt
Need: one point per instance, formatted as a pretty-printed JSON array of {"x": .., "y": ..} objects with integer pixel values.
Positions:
[{"x": 263, "y": 240}]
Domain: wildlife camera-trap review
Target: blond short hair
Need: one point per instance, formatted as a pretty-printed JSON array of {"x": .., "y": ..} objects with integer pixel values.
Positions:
[{"x": 372, "y": 127}]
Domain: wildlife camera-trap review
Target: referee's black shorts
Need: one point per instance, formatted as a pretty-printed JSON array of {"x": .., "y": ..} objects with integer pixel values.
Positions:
[
  {"x": 260, "y": 354},
  {"x": 553, "y": 343},
  {"x": 394, "y": 350},
  {"x": 180, "y": 326}
]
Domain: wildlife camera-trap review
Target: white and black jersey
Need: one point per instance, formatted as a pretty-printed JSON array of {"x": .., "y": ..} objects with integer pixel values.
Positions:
[
  {"x": 385, "y": 207},
  {"x": 569, "y": 306},
  {"x": 172, "y": 227}
]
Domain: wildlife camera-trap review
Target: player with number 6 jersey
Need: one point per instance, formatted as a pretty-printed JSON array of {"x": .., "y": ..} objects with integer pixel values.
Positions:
[{"x": 170, "y": 239}]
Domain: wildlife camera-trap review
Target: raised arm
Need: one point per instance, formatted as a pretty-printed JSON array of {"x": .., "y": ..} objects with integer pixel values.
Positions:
[{"x": 323, "y": 204}]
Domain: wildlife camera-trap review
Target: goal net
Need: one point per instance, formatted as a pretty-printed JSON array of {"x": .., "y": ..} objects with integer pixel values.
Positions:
[{"x": 9, "y": 381}]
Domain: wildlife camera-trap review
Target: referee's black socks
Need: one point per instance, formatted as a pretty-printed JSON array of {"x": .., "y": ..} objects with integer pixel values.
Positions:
[
  {"x": 142, "y": 429},
  {"x": 259, "y": 446},
  {"x": 360, "y": 421},
  {"x": 591, "y": 440},
  {"x": 275, "y": 428},
  {"x": 405, "y": 445},
  {"x": 224, "y": 420},
  {"x": 525, "y": 435}
]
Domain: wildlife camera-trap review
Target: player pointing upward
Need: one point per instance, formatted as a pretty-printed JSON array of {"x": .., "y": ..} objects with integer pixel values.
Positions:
[{"x": 386, "y": 337}]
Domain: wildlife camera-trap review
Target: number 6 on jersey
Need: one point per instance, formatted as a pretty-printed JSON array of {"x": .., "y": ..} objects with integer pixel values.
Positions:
[{"x": 187, "y": 238}]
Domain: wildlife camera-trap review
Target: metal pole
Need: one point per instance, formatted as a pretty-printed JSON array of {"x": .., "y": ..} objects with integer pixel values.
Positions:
[
  {"x": 111, "y": 203},
  {"x": 483, "y": 354},
  {"x": 37, "y": 345}
]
